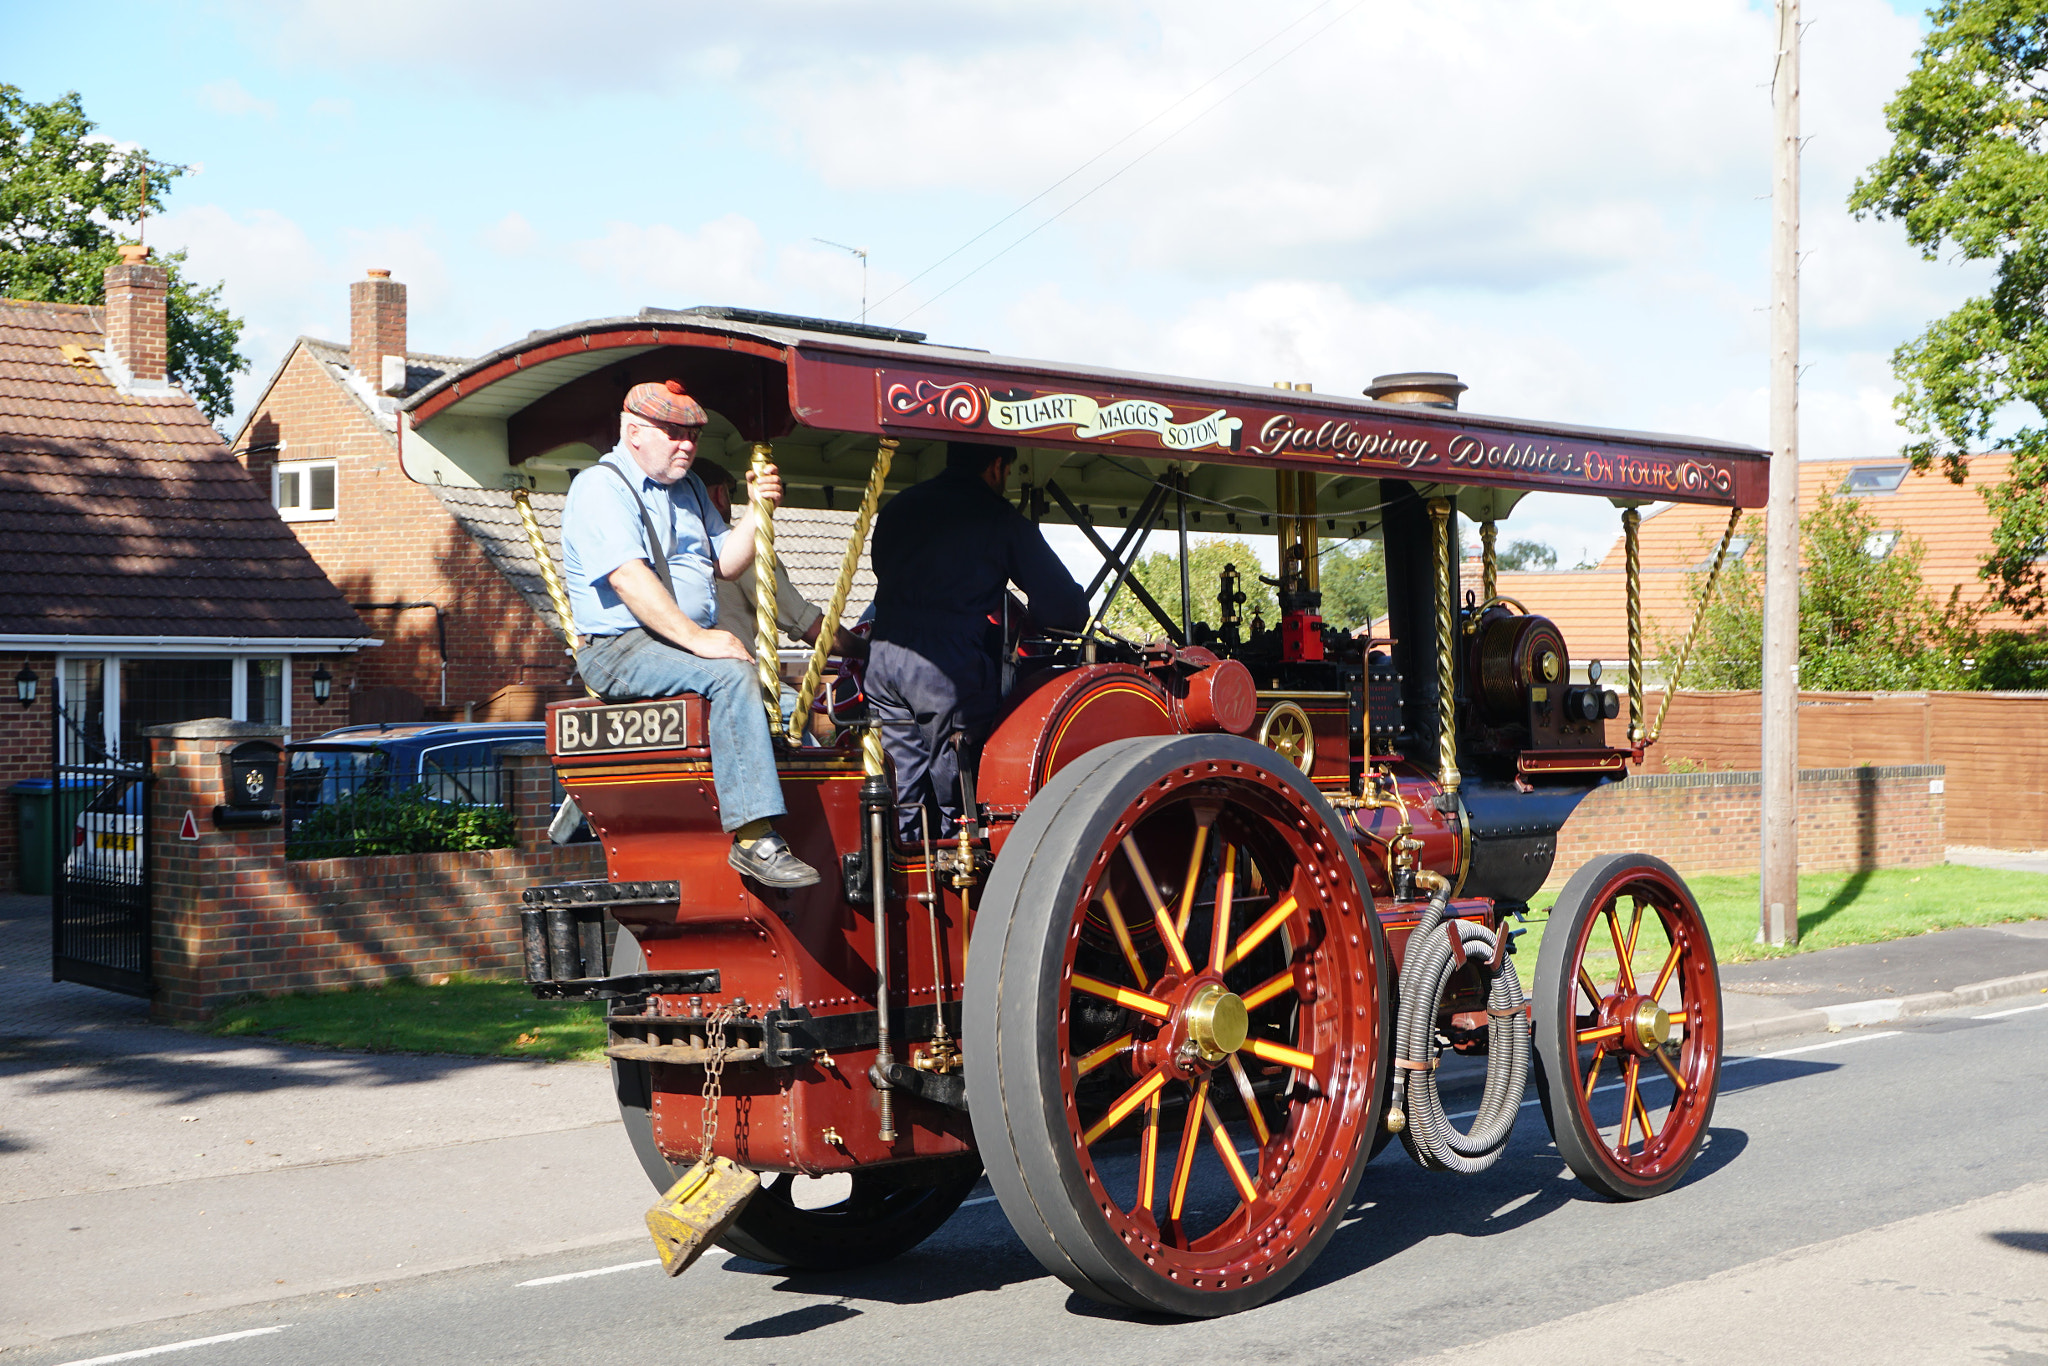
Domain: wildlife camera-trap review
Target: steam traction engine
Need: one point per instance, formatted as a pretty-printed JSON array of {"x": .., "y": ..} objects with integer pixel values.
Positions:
[{"x": 1223, "y": 900}]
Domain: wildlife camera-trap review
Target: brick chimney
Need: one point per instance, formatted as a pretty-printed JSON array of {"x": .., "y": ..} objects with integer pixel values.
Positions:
[
  {"x": 137, "y": 331},
  {"x": 376, "y": 332}
]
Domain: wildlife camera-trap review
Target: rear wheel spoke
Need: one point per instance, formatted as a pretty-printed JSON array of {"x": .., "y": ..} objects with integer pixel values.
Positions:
[
  {"x": 1247, "y": 1189},
  {"x": 1121, "y": 1108},
  {"x": 1187, "y": 891},
  {"x": 1184, "y": 1161},
  {"x": 1162, "y": 915},
  {"x": 1226, "y": 893},
  {"x": 1260, "y": 931},
  {"x": 1251, "y": 1101},
  {"x": 1096, "y": 1057},
  {"x": 1278, "y": 984},
  {"x": 1122, "y": 930}
]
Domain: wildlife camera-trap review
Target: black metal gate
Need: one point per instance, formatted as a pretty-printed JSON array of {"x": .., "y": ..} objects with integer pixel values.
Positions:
[{"x": 99, "y": 828}]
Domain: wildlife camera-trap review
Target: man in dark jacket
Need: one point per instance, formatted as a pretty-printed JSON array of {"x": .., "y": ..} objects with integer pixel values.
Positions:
[{"x": 944, "y": 553}]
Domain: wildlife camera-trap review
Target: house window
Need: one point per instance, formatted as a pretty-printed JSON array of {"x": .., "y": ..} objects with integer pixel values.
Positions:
[
  {"x": 304, "y": 490},
  {"x": 1873, "y": 479},
  {"x": 1738, "y": 546},
  {"x": 1880, "y": 543},
  {"x": 107, "y": 702}
]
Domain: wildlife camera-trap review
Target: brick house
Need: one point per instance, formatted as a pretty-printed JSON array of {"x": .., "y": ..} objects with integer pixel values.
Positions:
[
  {"x": 148, "y": 580},
  {"x": 1678, "y": 542},
  {"x": 446, "y": 576}
]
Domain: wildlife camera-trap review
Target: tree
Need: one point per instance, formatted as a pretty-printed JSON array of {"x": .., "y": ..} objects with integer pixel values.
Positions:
[
  {"x": 1354, "y": 577},
  {"x": 1520, "y": 555},
  {"x": 64, "y": 193},
  {"x": 1968, "y": 170},
  {"x": 1865, "y": 621},
  {"x": 1160, "y": 573}
]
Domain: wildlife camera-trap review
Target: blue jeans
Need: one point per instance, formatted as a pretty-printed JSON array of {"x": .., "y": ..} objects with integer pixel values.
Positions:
[{"x": 634, "y": 665}]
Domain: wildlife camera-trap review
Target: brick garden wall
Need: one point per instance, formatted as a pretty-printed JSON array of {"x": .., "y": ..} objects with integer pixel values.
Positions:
[
  {"x": 232, "y": 916},
  {"x": 24, "y": 748},
  {"x": 1849, "y": 818},
  {"x": 391, "y": 540}
]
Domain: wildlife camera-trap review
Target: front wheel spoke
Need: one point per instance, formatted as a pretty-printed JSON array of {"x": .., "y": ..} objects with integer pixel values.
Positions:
[
  {"x": 1628, "y": 1106},
  {"x": 1162, "y": 914},
  {"x": 1184, "y": 1161},
  {"x": 1664, "y": 973},
  {"x": 1122, "y": 930},
  {"x": 1635, "y": 929},
  {"x": 1096, "y": 1057},
  {"x": 1123, "y": 996},
  {"x": 1670, "y": 1071},
  {"x": 1591, "y": 988},
  {"x": 1187, "y": 891},
  {"x": 1625, "y": 979},
  {"x": 1276, "y": 985},
  {"x": 1220, "y": 1136},
  {"x": 1251, "y": 1101},
  {"x": 1226, "y": 892},
  {"x": 1597, "y": 1035},
  {"x": 1593, "y": 1076},
  {"x": 1121, "y": 1109},
  {"x": 1643, "y": 1118},
  {"x": 1265, "y": 1050},
  {"x": 1259, "y": 932},
  {"x": 1148, "y": 1157}
]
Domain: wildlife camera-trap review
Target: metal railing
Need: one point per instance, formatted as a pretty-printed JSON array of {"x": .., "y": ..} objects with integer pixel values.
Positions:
[{"x": 356, "y": 812}]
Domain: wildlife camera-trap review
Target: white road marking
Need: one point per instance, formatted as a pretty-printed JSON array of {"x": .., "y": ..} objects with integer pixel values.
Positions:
[
  {"x": 978, "y": 1200},
  {"x": 179, "y": 1346},
  {"x": 2016, "y": 1010},
  {"x": 1813, "y": 1047},
  {"x": 598, "y": 1271}
]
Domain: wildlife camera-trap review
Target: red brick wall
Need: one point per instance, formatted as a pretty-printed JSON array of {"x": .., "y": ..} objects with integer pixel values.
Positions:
[
  {"x": 137, "y": 324},
  {"x": 233, "y": 917},
  {"x": 392, "y": 541},
  {"x": 24, "y": 748},
  {"x": 376, "y": 325},
  {"x": 1849, "y": 818}
]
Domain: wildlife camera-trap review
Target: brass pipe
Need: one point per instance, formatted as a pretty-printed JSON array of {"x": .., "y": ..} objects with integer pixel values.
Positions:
[
  {"x": 1489, "y": 563},
  {"x": 828, "y": 627},
  {"x": 1692, "y": 634},
  {"x": 1446, "y": 682},
  {"x": 549, "y": 575},
  {"x": 766, "y": 660},
  {"x": 1631, "y": 538},
  {"x": 1311, "y": 539}
]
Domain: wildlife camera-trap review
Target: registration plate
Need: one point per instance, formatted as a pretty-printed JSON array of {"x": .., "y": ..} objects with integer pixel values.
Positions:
[
  {"x": 674, "y": 723},
  {"x": 125, "y": 843}
]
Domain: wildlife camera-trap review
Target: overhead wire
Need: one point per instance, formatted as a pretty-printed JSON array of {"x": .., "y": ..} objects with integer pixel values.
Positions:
[{"x": 1114, "y": 175}]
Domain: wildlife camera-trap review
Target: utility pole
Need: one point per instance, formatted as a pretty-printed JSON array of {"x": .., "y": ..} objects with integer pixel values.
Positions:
[{"x": 1779, "y": 886}]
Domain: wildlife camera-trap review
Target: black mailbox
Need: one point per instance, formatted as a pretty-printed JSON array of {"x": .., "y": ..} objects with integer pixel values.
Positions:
[{"x": 249, "y": 773}]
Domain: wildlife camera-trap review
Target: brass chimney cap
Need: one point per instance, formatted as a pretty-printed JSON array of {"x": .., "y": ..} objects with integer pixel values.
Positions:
[{"x": 1431, "y": 388}]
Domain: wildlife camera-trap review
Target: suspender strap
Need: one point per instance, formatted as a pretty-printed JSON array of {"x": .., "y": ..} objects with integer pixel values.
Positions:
[{"x": 654, "y": 551}]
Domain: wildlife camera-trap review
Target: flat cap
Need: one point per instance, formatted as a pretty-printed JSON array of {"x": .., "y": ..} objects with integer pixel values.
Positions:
[{"x": 666, "y": 401}]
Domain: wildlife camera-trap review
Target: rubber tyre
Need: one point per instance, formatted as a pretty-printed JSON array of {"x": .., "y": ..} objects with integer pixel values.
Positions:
[
  {"x": 1578, "y": 933},
  {"x": 1016, "y": 1016}
]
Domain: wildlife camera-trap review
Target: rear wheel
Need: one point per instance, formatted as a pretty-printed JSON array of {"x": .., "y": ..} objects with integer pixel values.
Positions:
[
  {"x": 869, "y": 1216},
  {"x": 1176, "y": 1030},
  {"x": 1628, "y": 1026}
]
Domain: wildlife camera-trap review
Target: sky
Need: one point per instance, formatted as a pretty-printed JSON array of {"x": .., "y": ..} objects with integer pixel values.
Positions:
[{"x": 1567, "y": 204}]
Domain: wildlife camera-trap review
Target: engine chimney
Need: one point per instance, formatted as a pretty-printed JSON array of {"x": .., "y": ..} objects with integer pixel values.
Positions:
[
  {"x": 376, "y": 332},
  {"x": 1431, "y": 388},
  {"x": 138, "y": 333}
]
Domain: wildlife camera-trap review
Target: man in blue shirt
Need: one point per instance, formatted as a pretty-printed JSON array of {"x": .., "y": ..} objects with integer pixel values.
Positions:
[
  {"x": 642, "y": 549},
  {"x": 944, "y": 553}
]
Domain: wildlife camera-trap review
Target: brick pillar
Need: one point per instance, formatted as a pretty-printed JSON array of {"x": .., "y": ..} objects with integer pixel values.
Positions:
[
  {"x": 137, "y": 329},
  {"x": 376, "y": 332},
  {"x": 529, "y": 785},
  {"x": 195, "y": 897}
]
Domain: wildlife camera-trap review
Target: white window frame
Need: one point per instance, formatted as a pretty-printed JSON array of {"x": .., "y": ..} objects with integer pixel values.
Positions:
[
  {"x": 303, "y": 469},
  {"x": 110, "y": 673}
]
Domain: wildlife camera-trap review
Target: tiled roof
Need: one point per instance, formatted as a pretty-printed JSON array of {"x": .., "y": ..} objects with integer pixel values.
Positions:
[
  {"x": 421, "y": 368},
  {"x": 810, "y": 544},
  {"x": 126, "y": 515},
  {"x": 1678, "y": 542}
]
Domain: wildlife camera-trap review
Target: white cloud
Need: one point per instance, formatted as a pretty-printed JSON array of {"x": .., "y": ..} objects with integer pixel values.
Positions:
[
  {"x": 330, "y": 108},
  {"x": 512, "y": 235},
  {"x": 660, "y": 265},
  {"x": 228, "y": 97}
]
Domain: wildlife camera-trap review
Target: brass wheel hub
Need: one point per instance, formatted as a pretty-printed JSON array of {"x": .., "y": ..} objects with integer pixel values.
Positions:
[
  {"x": 1652, "y": 1025},
  {"x": 1217, "y": 1022}
]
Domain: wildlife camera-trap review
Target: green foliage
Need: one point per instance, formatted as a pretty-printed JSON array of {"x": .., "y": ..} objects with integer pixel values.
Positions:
[
  {"x": 1160, "y": 573},
  {"x": 1520, "y": 555},
  {"x": 470, "y": 1015},
  {"x": 372, "y": 821},
  {"x": 1968, "y": 170},
  {"x": 1865, "y": 621},
  {"x": 1354, "y": 577},
  {"x": 66, "y": 194}
]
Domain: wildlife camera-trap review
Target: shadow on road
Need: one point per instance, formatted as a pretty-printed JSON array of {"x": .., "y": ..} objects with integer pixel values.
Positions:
[
  {"x": 790, "y": 1324},
  {"x": 2024, "y": 1242}
]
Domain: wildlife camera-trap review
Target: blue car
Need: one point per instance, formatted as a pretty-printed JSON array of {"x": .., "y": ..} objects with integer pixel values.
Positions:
[{"x": 456, "y": 762}]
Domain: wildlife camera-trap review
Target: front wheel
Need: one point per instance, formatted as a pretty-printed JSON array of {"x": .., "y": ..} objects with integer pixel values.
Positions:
[
  {"x": 1176, "y": 1030},
  {"x": 1628, "y": 1026}
]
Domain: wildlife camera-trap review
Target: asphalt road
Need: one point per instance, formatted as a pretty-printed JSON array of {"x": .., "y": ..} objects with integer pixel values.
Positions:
[{"x": 1832, "y": 1141}]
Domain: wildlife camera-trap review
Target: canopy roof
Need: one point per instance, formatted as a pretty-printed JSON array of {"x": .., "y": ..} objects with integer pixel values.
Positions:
[{"x": 822, "y": 392}]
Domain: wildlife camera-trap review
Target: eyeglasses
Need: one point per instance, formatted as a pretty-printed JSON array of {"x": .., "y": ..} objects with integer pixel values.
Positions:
[{"x": 674, "y": 431}]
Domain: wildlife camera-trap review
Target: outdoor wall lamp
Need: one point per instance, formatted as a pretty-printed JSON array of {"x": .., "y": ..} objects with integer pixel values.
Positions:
[
  {"x": 323, "y": 684},
  {"x": 25, "y": 686}
]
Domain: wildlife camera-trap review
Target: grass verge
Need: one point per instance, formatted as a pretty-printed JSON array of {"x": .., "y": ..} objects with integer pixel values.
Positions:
[
  {"x": 1836, "y": 909},
  {"x": 473, "y": 1015}
]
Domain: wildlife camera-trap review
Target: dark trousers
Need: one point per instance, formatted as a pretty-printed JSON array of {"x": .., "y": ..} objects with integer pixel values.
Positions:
[{"x": 924, "y": 697}]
